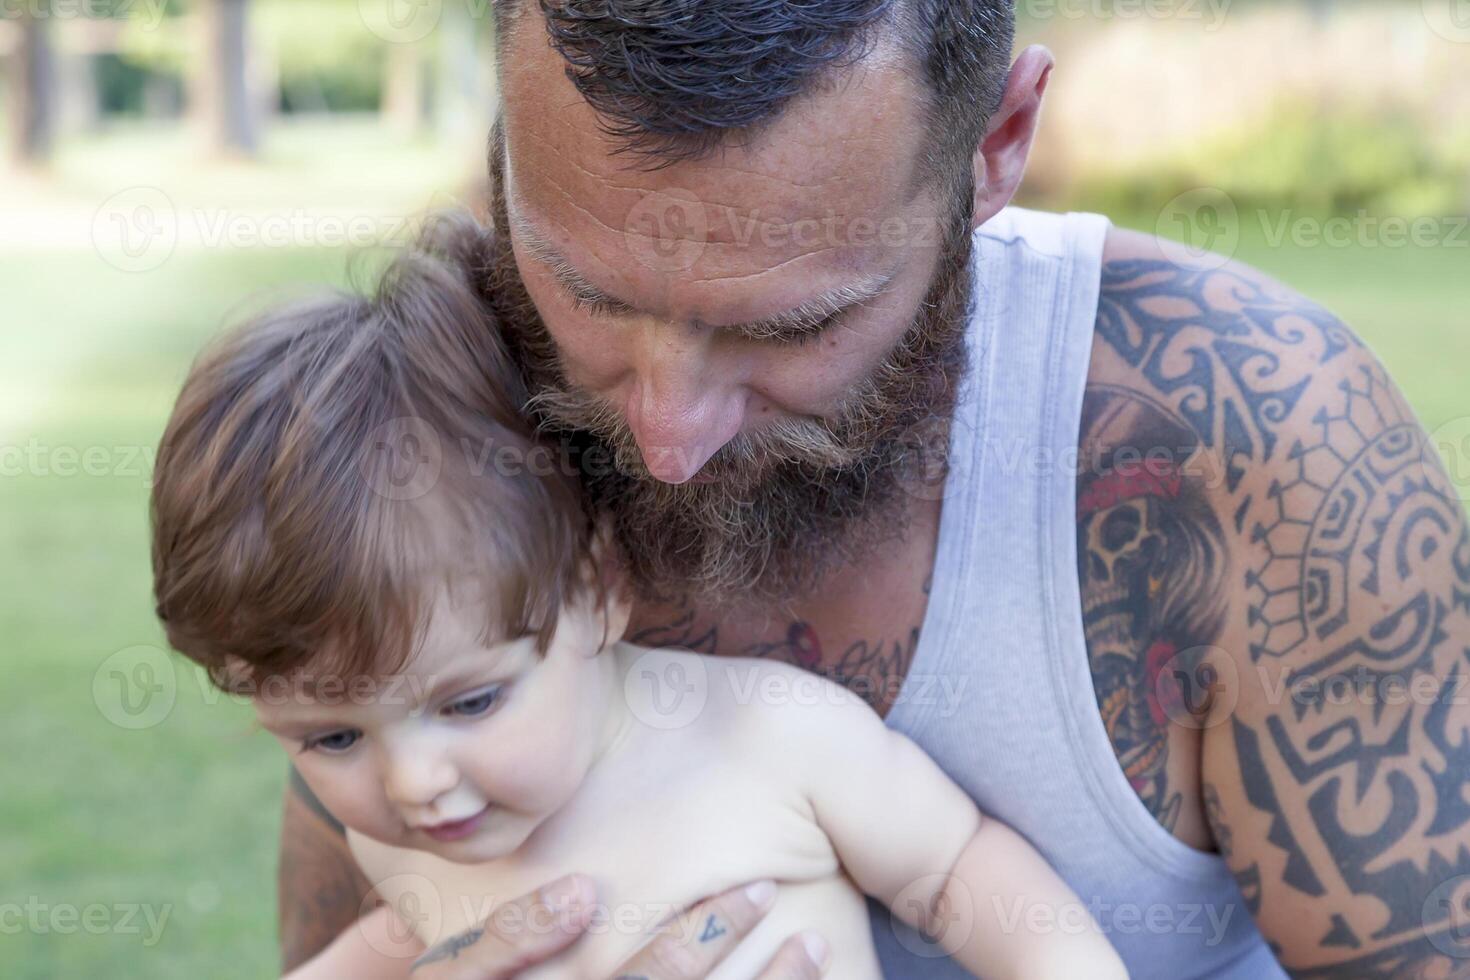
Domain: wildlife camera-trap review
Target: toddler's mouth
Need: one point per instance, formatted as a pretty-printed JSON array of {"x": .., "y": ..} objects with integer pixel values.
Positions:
[{"x": 453, "y": 830}]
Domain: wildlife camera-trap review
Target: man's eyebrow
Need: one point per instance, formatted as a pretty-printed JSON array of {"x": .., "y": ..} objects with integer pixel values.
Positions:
[
  {"x": 572, "y": 282},
  {"x": 815, "y": 314},
  {"x": 810, "y": 317}
]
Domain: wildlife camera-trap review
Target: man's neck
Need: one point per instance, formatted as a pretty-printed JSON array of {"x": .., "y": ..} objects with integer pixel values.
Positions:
[{"x": 860, "y": 628}]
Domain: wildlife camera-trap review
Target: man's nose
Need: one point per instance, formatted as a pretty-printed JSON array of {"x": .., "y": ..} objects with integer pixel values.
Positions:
[
  {"x": 415, "y": 774},
  {"x": 684, "y": 406}
]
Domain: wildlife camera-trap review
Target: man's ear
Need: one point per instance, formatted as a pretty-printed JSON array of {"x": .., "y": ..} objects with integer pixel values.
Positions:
[{"x": 1000, "y": 160}]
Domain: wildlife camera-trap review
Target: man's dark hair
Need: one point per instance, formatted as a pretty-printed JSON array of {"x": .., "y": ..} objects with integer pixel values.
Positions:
[{"x": 673, "y": 79}]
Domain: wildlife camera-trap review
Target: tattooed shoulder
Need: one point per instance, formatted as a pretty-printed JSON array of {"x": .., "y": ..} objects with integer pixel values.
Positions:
[{"x": 1273, "y": 555}]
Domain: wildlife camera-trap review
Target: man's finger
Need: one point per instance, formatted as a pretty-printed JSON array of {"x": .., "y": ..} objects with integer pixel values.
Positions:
[
  {"x": 691, "y": 945},
  {"x": 517, "y": 935},
  {"x": 803, "y": 957}
]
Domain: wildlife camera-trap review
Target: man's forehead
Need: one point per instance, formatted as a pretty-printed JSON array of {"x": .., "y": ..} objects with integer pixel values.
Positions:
[{"x": 819, "y": 181}]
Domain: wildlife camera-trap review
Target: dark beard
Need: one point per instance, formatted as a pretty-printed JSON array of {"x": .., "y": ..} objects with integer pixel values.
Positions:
[{"x": 788, "y": 505}]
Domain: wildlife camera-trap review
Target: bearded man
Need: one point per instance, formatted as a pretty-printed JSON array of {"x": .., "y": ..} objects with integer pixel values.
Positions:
[{"x": 1143, "y": 548}]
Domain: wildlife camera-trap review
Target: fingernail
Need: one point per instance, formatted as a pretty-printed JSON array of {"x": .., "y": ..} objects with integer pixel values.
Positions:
[
  {"x": 761, "y": 894},
  {"x": 573, "y": 893},
  {"x": 816, "y": 948}
]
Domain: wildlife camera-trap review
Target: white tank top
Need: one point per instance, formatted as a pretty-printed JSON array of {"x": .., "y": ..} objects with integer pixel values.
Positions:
[{"x": 1000, "y": 693}]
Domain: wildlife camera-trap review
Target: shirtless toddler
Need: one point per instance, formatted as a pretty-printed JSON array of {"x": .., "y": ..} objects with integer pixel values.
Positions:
[{"x": 354, "y": 527}]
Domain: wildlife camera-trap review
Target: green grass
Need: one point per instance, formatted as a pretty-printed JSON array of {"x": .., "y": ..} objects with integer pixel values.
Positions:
[
  {"x": 183, "y": 815},
  {"x": 1410, "y": 304},
  {"x": 179, "y": 816}
]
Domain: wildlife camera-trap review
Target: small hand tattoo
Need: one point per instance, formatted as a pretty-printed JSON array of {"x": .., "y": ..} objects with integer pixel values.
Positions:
[{"x": 449, "y": 948}]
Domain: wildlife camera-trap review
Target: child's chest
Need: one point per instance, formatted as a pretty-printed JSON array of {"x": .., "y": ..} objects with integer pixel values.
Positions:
[{"x": 653, "y": 846}]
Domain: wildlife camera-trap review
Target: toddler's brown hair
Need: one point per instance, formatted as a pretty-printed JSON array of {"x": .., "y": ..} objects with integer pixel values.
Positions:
[{"x": 333, "y": 462}]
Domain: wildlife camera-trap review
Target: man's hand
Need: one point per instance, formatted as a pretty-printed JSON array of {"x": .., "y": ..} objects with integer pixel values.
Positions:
[
  {"x": 688, "y": 949},
  {"x": 696, "y": 942}
]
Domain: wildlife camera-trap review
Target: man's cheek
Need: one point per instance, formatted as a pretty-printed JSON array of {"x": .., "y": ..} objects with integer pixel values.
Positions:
[
  {"x": 590, "y": 351},
  {"x": 814, "y": 386}
]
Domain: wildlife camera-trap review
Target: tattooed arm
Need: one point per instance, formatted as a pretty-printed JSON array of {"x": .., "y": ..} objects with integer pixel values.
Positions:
[
  {"x": 319, "y": 889},
  {"x": 1276, "y": 580}
]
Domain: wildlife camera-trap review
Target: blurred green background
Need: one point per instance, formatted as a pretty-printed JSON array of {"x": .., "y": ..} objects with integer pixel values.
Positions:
[{"x": 169, "y": 165}]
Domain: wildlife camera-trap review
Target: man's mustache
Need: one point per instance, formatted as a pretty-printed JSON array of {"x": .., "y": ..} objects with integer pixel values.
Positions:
[{"x": 797, "y": 441}]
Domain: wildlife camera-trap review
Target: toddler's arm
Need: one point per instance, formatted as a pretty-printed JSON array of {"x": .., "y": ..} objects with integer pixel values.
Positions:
[
  {"x": 914, "y": 840},
  {"x": 370, "y": 949}
]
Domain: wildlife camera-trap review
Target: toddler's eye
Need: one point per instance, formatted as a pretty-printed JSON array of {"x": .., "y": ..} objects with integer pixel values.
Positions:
[
  {"x": 476, "y": 704},
  {"x": 333, "y": 742}
]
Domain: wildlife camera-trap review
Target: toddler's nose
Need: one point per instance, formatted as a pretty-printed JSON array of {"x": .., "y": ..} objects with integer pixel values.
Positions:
[{"x": 414, "y": 780}]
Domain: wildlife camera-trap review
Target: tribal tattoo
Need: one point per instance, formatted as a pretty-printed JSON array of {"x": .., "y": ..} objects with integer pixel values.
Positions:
[
  {"x": 872, "y": 669},
  {"x": 1283, "y": 506}
]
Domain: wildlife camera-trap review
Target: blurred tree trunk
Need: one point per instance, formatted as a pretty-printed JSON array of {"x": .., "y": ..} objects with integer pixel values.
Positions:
[
  {"x": 31, "y": 91},
  {"x": 220, "y": 98},
  {"x": 78, "y": 98},
  {"x": 404, "y": 102},
  {"x": 464, "y": 90}
]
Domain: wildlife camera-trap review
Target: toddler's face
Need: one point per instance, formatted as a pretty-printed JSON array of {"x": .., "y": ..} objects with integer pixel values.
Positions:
[{"x": 467, "y": 751}]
